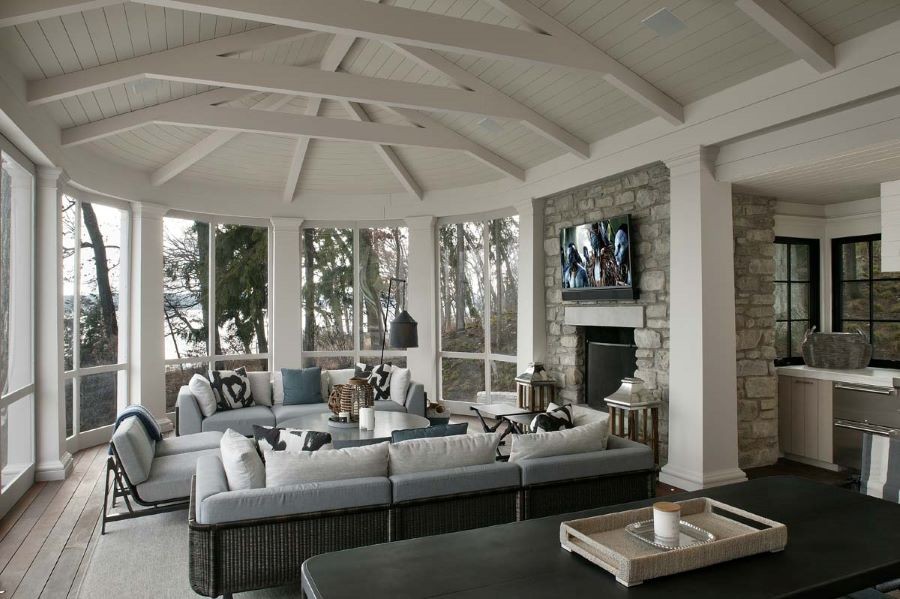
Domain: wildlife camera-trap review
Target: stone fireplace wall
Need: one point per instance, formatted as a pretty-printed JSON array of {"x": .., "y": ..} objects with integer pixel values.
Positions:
[{"x": 643, "y": 193}]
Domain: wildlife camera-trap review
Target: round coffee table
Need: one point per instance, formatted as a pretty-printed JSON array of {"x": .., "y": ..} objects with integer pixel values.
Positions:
[{"x": 385, "y": 424}]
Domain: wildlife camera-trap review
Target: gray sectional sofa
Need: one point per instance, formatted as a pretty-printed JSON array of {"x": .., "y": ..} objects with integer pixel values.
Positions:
[
  {"x": 282, "y": 526},
  {"x": 189, "y": 419}
]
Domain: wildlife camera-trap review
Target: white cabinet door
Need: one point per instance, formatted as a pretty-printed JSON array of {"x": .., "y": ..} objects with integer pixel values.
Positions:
[{"x": 785, "y": 405}]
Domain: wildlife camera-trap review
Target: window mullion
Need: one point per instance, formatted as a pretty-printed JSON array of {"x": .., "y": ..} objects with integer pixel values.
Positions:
[
  {"x": 486, "y": 304},
  {"x": 357, "y": 317},
  {"x": 211, "y": 295}
]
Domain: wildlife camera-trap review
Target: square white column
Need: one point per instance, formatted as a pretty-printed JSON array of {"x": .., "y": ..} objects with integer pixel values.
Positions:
[
  {"x": 53, "y": 462},
  {"x": 422, "y": 301},
  {"x": 532, "y": 317},
  {"x": 703, "y": 436},
  {"x": 285, "y": 335},
  {"x": 890, "y": 226}
]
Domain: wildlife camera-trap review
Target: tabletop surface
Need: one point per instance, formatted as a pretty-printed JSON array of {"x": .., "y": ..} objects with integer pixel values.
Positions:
[
  {"x": 385, "y": 424},
  {"x": 839, "y": 541}
]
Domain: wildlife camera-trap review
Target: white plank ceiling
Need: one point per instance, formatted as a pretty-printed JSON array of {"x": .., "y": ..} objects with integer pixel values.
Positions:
[{"x": 719, "y": 47}]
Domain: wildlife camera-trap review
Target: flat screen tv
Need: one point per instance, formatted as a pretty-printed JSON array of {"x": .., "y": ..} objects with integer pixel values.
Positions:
[{"x": 597, "y": 260}]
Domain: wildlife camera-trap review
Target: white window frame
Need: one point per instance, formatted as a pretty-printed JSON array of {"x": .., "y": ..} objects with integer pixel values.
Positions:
[
  {"x": 79, "y": 439},
  {"x": 357, "y": 353},
  {"x": 487, "y": 356}
]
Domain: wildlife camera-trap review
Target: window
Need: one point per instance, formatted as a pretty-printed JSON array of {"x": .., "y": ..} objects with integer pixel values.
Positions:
[
  {"x": 94, "y": 355},
  {"x": 865, "y": 298},
  {"x": 346, "y": 274},
  {"x": 211, "y": 269},
  {"x": 16, "y": 329},
  {"x": 796, "y": 295},
  {"x": 478, "y": 310}
]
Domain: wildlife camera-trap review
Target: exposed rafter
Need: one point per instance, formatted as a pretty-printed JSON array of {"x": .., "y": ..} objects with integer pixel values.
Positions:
[
  {"x": 792, "y": 31},
  {"x": 387, "y": 153},
  {"x": 360, "y": 18},
  {"x": 17, "y": 12},
  {"x": 614, "y": 72}
]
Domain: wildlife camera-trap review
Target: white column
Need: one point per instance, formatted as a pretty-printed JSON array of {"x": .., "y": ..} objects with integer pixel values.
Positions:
[
  {"x": 284, "y": 289},
  {"x": 53, "y": 462},
  {"x": 703, "y": 439},
  {"x": 890, "y": 226},
  {"x": 532, "y": 317},
  {"x": 147, "y": 366},
  {"x": 422, "y": 301}
]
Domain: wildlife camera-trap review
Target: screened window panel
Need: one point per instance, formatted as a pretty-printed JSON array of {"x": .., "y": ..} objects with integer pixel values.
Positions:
[
  {"x": 796, "y": 289},
  {"x": 463, "y": 380},
  {"x": 178, "y": 375},
  {"x": 504, "y": 255},
  {"x": 462, "y": 287},
  {"x": 383, "y": 254},
  {"x": 101, "y": 242},
  {"x": 242, "y": 275},
  {"x": 503, "y": 381},
  {"x": 185, "y": 288},
  {"x": 5, "y": 266},
  {"x": 327, "y": 295},
  {"x": 70, "y": 399},
  {"x": 329, "y": 362},
  {"x": 97, "y": 400}
]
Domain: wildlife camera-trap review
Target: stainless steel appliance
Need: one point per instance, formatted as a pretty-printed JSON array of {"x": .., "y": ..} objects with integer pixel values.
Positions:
[{"x": 860, "y": 409}]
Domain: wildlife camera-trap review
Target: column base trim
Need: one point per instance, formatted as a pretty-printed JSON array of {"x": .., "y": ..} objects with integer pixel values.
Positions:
[
  {"x": 694, "y": 481},
  {"x": 55, "y": 469}
]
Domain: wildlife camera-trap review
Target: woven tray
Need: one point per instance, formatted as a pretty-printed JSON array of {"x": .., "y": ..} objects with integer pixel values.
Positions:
[{"x": 603, "y": 540}]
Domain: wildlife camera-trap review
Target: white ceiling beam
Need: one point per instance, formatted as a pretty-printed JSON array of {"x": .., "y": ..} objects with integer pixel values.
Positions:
[
  {"x": 477, "y": 151},
  {"x": 208, "y": 145},
  {"x": 530, "y": 118},
  {"x": 614, "y": 72},
  {"x": 792, "y": 31},
  {"x": 441, "y": 32},
  {"x": 17, "y": 12},
  {"x": 387, "y": 154}
]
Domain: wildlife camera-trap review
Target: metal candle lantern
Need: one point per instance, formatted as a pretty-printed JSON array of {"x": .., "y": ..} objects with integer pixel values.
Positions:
[
  {"x": 535, "y": 390},
  {"x": 626, "y": 402},
  {"x": 356, "y": 394}
]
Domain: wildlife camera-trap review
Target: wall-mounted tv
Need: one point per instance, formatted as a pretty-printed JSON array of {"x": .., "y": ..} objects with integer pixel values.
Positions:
[{"x": 597, "y": 260}]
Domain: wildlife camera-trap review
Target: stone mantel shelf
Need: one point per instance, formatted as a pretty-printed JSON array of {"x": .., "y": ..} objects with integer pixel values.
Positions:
[{"x": 605, "y": 316}]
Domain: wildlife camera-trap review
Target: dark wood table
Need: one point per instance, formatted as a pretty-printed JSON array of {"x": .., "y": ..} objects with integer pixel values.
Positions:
[{"x": 839, "y": 541}]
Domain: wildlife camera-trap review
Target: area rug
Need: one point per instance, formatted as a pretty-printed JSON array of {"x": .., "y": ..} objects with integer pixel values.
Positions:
[{"x": 148, "y": 558}]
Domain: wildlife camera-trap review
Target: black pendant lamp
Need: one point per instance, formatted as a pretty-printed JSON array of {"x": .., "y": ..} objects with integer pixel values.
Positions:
[{"x": 404, "y": 331}]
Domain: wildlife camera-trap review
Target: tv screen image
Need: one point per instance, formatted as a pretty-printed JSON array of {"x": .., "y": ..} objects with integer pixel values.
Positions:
[{"x": 597, "y": 255}]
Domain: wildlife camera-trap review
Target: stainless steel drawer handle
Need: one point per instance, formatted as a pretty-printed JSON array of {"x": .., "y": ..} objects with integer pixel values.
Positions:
[
  {"x": 874, "y": 429},
  {"x": 866, "y": 388}
]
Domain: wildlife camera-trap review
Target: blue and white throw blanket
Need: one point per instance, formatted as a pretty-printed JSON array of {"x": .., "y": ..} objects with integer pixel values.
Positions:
[{"x": 144, "y": 416}]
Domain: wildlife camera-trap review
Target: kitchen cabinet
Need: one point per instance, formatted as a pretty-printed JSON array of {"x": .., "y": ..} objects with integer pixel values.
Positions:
[{"x": 805, "y": 418}]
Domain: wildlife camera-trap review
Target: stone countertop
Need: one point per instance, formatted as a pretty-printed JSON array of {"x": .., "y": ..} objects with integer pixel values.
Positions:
[{"x": 882, "y": 377}]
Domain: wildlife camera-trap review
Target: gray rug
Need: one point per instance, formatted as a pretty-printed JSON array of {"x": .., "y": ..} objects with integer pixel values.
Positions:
[{"x": 147, "y": 558}]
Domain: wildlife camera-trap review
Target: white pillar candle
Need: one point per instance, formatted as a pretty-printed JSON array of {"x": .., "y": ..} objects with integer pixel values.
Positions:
[
  {"x": 666, "y": 519},
  {"x": 367, "y": 418}
]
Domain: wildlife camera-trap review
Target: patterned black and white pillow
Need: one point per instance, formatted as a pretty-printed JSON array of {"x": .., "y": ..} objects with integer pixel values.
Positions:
[
  {"x": 231, "y": 388},
  {"x": 380, "y": 379},
  {"x": 557, "y": 419},
  {"x": 293, "y": 440}
]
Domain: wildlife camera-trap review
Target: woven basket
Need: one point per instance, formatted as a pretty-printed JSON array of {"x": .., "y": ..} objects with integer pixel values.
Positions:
[
  {"x": 842, "y": 351},
  {"x": 351, "y": 397}
]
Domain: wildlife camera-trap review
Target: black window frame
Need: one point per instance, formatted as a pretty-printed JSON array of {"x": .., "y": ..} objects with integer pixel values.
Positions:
[
  {"x": 815, "y": 284},
  {"x": 837, "y": 266}
]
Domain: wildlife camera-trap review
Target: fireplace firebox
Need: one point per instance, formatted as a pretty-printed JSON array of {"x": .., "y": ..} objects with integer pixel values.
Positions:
[{"x": 609, "y": 356}]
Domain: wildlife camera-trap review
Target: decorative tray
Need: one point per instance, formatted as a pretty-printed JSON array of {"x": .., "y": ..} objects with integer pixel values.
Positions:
[
  {"x": 340, "y": 424},
  {"x": 606, "y": 541},
  {"x": 688, "y": 535}
]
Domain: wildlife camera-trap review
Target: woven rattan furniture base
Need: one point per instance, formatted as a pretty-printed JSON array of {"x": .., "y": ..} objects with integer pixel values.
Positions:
[
  {"x": 414, "y": 519},
  {"x": 603, "y": 540},
  {"x": 574, "y": 495}
]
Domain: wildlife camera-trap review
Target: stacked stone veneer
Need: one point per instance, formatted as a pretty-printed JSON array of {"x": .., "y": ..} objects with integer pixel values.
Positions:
[
  {"x": 643, "y": 193},
  {"x": 754, "y": 268}
]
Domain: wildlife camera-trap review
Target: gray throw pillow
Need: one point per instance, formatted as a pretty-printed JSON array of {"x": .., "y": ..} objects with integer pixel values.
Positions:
[{"x": 303, "y": 386}]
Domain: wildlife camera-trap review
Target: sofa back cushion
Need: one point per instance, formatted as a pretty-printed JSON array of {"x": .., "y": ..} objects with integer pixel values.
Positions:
[
  {"x": 202, "y": 391},
  {"x": 285, "y": 468},
  {"x": 425, "y": 455},
  {"x": 400, "y": 378},
  {"x": 302, "y": 386},
  {"x": 261, "y": 387},
  {"x": 135, "y": 449},
  {"x": 588, "y": 437},
  {"x": 581, "y": 414},
  {"x": 243, "y": 466}
]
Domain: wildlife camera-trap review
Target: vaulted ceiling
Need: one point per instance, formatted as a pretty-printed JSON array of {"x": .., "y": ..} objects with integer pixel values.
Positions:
[{"x": 362, "y": 97}]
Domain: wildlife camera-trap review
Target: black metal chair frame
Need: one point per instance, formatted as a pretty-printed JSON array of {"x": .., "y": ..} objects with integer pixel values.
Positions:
[{"x": 122, "y": 487}]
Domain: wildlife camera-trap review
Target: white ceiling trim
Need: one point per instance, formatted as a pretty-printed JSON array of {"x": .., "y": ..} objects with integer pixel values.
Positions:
[
  {"x": 369, "y": 20},
  {"x": 792, "y": 31}
]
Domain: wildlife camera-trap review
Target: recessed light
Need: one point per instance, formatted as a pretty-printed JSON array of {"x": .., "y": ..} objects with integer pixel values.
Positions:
[
  {"x": 489, "y": 124},
  {"x": 664, "y": 23}
]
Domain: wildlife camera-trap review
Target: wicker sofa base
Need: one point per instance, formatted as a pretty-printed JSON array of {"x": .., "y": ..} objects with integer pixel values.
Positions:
[
  {"x": 413, "y": 519},
  {"x": 586, "y": 493}
]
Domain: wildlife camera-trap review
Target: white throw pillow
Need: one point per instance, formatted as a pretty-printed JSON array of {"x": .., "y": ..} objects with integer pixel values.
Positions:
[
  {"x": 277, "y": 389},
  {"x": 199, "y": 386},
  {"x": 400, "y": 378},
  {"x": 285, "y": 468},
  {"x": 441, "y": 453},
  {"x": 582, "y": 414},
  {"x": 243, "y": 466},
  {"x": 325, "y": 385},
  {"x": 342, "y": 376},
  {"x": 581, "y": 439},
  {"x": 261, "y": 387}
]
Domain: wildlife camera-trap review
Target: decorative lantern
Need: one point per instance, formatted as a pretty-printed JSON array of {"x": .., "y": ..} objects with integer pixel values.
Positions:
[
  {"x": 642, "y": 415},
  {"x": 535, "y": 390},
  {"x": 356, "y": 394}
]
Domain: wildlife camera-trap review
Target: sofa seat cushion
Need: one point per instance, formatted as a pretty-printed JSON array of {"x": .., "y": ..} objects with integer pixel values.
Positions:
[
  {"x": 468, "y": 479},
  {"x": 135, "y": 449},
  {"x": 284, "y": 413},
  {"x": 621, "y": 456},
  {"x": 170, "y": 476},
  {"x": 387, "y": 405},
  {"x": 304, "y": 498},
  {"x": 241, "y": 420},
  {"x": 188, "y": 443}
]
